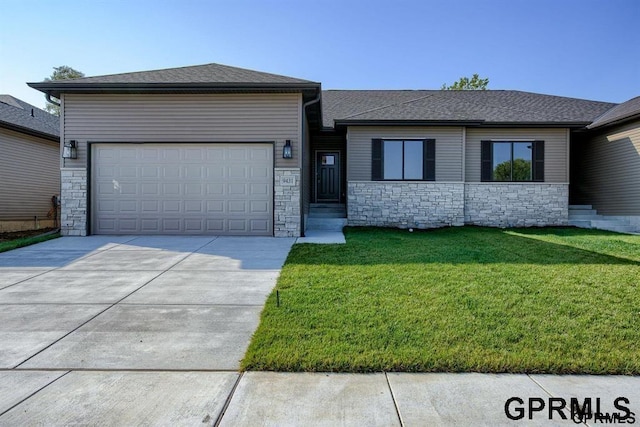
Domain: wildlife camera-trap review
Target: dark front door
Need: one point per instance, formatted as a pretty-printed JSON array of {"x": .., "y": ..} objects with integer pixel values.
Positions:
[{"x": 328, "y": 176}]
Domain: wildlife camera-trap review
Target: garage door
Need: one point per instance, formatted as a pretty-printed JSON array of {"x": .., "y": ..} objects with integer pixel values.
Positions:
[{"x": 182, "y": 189}]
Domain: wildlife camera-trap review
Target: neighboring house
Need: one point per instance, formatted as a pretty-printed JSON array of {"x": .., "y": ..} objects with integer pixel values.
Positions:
[
  {"x": 201, "y": 149},
  {"x": 607, "y": 168},
  {"x": 29, "y": 165}
]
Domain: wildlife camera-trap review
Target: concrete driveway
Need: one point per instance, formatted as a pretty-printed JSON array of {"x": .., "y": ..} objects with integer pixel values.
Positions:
[{"x": 84, "y": 313}]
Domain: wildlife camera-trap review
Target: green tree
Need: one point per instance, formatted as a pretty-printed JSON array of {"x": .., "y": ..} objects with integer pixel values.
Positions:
[
  {"x": 62, "y": 72},
  {"x": 521, "y": 171},
  {"x": 466, "y": 83}
]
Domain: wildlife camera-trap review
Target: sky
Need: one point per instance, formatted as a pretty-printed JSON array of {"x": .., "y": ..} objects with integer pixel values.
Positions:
[{"x": 577, "y": 48}]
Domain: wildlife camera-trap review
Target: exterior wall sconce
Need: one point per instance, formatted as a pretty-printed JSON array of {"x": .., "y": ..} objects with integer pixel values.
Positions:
[
  {"x": 70, "y": 150},
  {"x": 287, "y": 153}
]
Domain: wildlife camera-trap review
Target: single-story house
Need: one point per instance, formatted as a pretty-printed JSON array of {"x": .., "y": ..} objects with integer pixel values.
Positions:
[
  {"x": 214, "y": 149},
  {"x": 29, "y": 166}
]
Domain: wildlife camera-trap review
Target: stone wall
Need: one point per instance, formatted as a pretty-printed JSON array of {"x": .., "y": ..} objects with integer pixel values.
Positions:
[
  {"x": 516, "y": 205},
  {"x": 286, "y": 206},
  {"x": 405, "y": 204},
  {"x": 73, "y": 197}
]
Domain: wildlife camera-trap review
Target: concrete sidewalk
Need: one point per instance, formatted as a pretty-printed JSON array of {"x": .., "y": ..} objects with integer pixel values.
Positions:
[{"x": 298, "y": 399}]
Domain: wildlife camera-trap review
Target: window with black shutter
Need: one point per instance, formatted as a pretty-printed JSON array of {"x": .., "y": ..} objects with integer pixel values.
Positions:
[
  {"x": 403, "y": 160},
  {"x": 512, "y": 161}
]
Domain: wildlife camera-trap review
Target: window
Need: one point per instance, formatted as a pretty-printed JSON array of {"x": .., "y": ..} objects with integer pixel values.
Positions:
[
  {"x": 403, "y": 160},
  {"x": 512, "y": 161}
]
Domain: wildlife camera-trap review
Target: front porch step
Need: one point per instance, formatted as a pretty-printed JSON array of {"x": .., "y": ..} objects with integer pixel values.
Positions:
[
  {"x": 326, "y": 224},
  {"x": 327, "y": 210},
  {"x": 584, "y": 216}
]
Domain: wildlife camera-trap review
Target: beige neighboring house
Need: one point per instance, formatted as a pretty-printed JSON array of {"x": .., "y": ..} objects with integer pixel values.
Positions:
[
  {"x": 214, "y": 149},
  {"x": 29, "y": 166},
  {"x": 607, "y": 171}
]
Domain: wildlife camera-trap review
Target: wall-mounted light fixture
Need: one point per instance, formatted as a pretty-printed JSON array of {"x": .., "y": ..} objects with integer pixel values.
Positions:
[
  {"x": 70, "y": 150},
  {"x": 286, "y": 150}
]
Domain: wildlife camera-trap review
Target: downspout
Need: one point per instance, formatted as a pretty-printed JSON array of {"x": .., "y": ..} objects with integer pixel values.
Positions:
[
  {"x": 302, "y": 171},
  {"x": 49, "y": 99}
]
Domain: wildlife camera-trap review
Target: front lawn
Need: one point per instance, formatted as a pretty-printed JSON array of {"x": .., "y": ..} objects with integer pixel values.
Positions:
[
  {"x": 559, "y": 300},
  {"x": 10, "y": 241}
]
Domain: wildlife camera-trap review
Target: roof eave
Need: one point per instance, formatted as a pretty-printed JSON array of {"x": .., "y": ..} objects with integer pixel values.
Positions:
[
  {"x": 28, "y": 131},
  {"x": 470, "y": 123},
  {"x": 56, "y": 89},
  {"x": 615, "y": 122}
]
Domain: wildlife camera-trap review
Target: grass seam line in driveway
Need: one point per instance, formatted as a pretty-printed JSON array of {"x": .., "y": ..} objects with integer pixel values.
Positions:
[
  {"x": 35, "y": 392},
  {"x": 227, "y": 401},
  {"x": 393, "y": 398}
]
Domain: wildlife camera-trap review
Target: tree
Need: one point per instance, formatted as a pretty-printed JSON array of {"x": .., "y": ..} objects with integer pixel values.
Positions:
[
  {"x": 62, "y": 72},
  {"x": 466, "y": 83},
  {"x": 520, "y": 168}
]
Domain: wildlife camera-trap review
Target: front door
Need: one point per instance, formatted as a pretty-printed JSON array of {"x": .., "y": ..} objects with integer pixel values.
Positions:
[{"x": 327, "y": 176}]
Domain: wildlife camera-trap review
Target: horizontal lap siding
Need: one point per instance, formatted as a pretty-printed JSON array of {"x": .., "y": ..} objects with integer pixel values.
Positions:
[
  {"x": 29, "y": 175},
  {"x": 611, "y": 170},
  {"x": 555, "y": 150},
  {"x": 183, "y": 118},
  {"x": 448, "y": 149}
]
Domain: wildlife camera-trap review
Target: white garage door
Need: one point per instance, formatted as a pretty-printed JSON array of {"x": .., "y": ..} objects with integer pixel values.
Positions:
[{"x": 182, "y": 189}]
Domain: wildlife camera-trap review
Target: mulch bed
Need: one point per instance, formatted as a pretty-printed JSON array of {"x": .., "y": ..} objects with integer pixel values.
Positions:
[{"x": 13, "y": 235}]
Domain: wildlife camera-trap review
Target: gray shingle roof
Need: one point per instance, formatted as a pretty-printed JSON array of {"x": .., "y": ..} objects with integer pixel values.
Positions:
[
  {"x": 208, "y": 76},
  {"x": 16, "y": 114},
  {"x": 490, "y": 106},
  {"x": 620, "y": 113}
]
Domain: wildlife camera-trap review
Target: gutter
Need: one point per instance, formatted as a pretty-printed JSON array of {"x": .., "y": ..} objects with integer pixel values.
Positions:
[
  {"x": 49, "y": 99},
  {"x": 302, "y": 183}
]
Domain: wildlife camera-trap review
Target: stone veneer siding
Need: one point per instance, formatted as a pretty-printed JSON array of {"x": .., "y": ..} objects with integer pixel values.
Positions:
[
  {"x": 73, "y": 200},
  {"x": 405, "y": 204},
  {"x": 516, "y": 205},
  {"x": 286, "y": 206}
]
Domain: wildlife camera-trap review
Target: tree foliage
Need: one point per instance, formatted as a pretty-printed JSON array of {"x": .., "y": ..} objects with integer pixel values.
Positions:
[
  {"x": 521, "y": 171},
  {"x": 466, "y": 83},
  {"x": 62, "y": 72}
]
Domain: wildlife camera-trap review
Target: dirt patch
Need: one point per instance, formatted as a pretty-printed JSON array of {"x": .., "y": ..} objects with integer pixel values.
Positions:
[{"x": 13, "y": 235}]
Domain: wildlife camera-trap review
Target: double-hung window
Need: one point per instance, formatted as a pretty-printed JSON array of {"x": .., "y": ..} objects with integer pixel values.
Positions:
[
  {"x": 512, "y": 161},
  {"x": 403, "y": 159}
]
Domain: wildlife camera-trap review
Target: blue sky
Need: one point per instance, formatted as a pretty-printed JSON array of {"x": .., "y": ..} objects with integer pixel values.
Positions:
[{"x": 579, "y": 48}]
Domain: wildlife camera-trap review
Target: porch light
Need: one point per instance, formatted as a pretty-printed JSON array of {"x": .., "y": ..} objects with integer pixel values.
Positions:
[
  {"x": 70, "y": 150},
  {"x": 286, "y": 150}
]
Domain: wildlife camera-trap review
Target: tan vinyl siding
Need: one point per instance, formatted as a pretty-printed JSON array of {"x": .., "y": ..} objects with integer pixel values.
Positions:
[
  {"x": 448, "y": 148},
  {"x": 29, "y": 175},
  {"x": 555, "y": 150},
  {"x": 183, "y": 118},
  {"x": 306, "y": 169},
  {"x": 610, "y": 172}
]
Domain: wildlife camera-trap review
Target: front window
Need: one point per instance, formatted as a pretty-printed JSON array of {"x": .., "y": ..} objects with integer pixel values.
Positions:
[
  {"x": 403, "y": 160},
  {"x": 512, "y": 161}
]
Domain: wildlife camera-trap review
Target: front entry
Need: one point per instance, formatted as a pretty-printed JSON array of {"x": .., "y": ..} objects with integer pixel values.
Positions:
[{"x": 327, "y": 176}]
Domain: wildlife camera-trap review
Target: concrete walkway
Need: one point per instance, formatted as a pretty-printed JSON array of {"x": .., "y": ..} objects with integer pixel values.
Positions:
[{"x": 150, "y": 331}]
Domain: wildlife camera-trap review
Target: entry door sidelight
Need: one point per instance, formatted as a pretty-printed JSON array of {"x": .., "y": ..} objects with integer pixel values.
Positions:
[{"x": 328, "y": 177}]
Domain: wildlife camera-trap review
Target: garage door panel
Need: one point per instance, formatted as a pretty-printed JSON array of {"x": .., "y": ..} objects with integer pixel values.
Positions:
[{"x": 184, "y": 189}]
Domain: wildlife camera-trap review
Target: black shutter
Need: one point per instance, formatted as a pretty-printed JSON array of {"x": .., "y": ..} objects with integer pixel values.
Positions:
[
  {"x": 376, "y": 160},
  {"x": 429, "y": 160},
  {"x": 486, "y": 157},
  {"x": 538, "y": 161}
]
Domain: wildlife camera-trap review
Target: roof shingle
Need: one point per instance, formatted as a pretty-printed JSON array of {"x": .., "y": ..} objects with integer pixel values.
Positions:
[
  {"x": 490, "y": 106},
  {"x": 17, "y": 114},
  {"x": 626, "y": 111}
]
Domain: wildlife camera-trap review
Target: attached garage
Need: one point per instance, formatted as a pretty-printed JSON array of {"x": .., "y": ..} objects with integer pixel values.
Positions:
[{"x": 169, "y": 188}]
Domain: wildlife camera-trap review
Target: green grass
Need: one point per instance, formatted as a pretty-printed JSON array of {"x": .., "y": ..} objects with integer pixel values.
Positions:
[
  {"x": 25, "y": 241},
  {"x": 468, "y": 299}
]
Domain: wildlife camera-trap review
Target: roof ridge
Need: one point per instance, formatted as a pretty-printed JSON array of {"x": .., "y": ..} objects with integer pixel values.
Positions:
[{"x": 386, "y": 106}]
